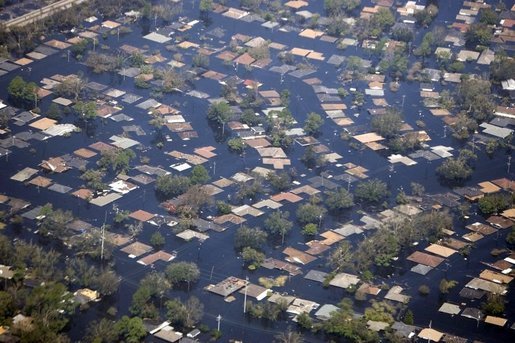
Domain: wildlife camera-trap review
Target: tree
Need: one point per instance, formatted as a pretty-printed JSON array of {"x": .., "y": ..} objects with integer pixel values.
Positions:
[
  {"x": 205, "y": 7},
  {"x": 71, "y": 86},
  {"x": 339, "y": 200},
  {"x": 253, "y": 257},
  {"x": 169, "y": 186},
  {"x": 340, "y": 257},
  {"x": 409, "y": 318},
  {"x": 387, "y": 125},
  {"x": 446, "y": 285},
  {"x": 131, "y": 329},
  {"x": 289, "y": 336},
  {"x": 426, "y": 46},
  {"x": 22, "y": 93},
  {"x": 488, "y": 16},
  {"x": 335, "y": 7},
  {"x": 304, "y": 321},
  {"x": 236, "y": 144},
  {"x": 417, "y": 189},
  {"x": 101, "y": 63},
  {"x": 278, "y": 223},
  {"x": 454, "y": 170},
  {"x": 478, "y": 34},
  {"x": 249, "y": 237},
  {"x": 494, "y": 305},
  {"x": 426, "y": 16},
  {"x": 494, "y": 203},
  {"x": 199, "y": 175},
  {"x": 311, "y": 160},
  {"x": 219, "y": 112},
  {"x": 371, "y": 191},
  {"x": 310, "y": 229},
  {"x": 182, "y": 272},
  {"x": 106, "y": 282},
  {"x": 280, "y": 181},
  {"x": 86, "y": 109},
  {"x": 475, "y": 97},
  {"x": 313, "y": 124},
  {"x": 93, "y": 179},
  {"x": 157, "y": 240},
  {"x": 310, "y": 213},
  {"x": 503, "y": 67},
  {"x": 185, "y": 314},
  {"x": 102, "y": 331},
  {"x": 116, "y": 159},
  {"x": 381, "y": 21}
]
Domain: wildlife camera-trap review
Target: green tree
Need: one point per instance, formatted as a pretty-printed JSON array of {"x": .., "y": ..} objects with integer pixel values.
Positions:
[
  {"x": 253, "y": 257},
  {"x": 289, "y": 336},
  {"x": 249, "y": 237},
  {"x": 478, "y": 34},
  {"x": 280, "y": 181},
  {"x": 426, "y": 16},
  {"x": 310, "y": 213},
  {"x": 118, "y": 160},
  {"x": 454, "y": 170},
  {"x": 199, "y": 175},
  {"x": 22, "y": 93},
  {"x": 494, "y": 305},
  {"x": 339, "y": 200},
  {"x": 236, "y": 144},
  {"x": 304, "y": 321},
  {"x": 157, "y": 240},
  {"x": 93, "y": 179},
  {"x": 371, "y": 191},
  {"x": 277, "y": 223},
  {"x": 87, "y": 110},
  {"x": 475, "y": 97},
  {"x": 169, "y": 186},
  {"x": 426, "y": 46},
  {"x": 131, "y": 329},
  {"x": 313, "y": 124},
  {"x": 310, "y": 229},
  {"x": 335, "y": 7},
  {"x": 102, "y": 331},
  {"x": 494, "y": 203},
  {"x": 446, "y": 285},
  {"x": 185, "y": 314},
  {"x": 220, "y": 112},
  {"x": 387, "y": 125},
  {"x": 182, "y": 272},
  {"x": 409, "y": 318}
]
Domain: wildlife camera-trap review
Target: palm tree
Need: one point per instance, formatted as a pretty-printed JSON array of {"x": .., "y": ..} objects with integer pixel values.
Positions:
[{"x": 289, "y": 337}]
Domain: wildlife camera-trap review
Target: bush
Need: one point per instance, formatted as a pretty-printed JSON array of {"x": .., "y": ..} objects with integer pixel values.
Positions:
[{"x": 423, "y": 290}]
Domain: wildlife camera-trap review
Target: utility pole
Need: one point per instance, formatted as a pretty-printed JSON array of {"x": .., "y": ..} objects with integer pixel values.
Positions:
[
  {"x": 103, "y": 237},
  {"x": 218, "y": 319},
  {"x": 445, "y": 131},
  {"x": 509, "y": 163},
  {"x": 245, "y": 298},
  {"x": 68, "y": 53}
]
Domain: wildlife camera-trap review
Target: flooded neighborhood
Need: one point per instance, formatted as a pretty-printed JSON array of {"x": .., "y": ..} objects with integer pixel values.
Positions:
[{"x": 257, "y": 171}]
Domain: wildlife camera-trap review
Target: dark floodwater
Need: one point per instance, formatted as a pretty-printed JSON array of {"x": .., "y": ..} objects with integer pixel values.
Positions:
[{"x": 216, "y": 257}]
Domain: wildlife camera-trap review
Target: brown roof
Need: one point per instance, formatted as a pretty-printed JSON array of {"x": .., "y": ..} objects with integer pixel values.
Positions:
[
  {"x": 83, "y": 193},
  {"x": 158, "y": 256},
  {"x": 290, "y": 197},
  {"x": 84, "y": 153},
  {"x": 425, "y": 259},
  {"x": 245, "y": 59},
  {"x": 101, "y": 146},
  {"x": 41, "y": 181},
  {"x": 43, "y": 123},
  {"x": 55, "y": 165},
  {"x": 316, "y": 248},
  {"x": 496, "y": 320},
  {"x": 481, "y": 228},
  {"x": 137, "y": 249},
  {"x": 331, "y": 237},
  {"x": 500, "y": 222},
  {"x": 141, "y": 215},
  {"x": 495, "y": 277}
]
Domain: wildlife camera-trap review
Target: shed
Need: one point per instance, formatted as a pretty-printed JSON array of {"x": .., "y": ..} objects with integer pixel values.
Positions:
[{"x": 430, "y": 335}]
